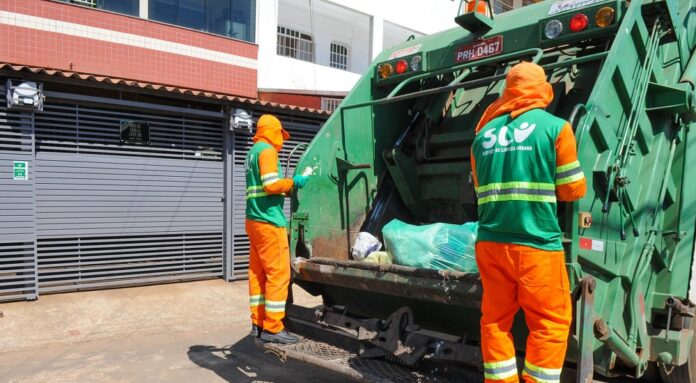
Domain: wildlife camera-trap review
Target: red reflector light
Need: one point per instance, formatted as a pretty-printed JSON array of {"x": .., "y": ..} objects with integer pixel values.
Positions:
[
  {"x": 578, "y": 22},
  {"x": 401, "y": 67}
]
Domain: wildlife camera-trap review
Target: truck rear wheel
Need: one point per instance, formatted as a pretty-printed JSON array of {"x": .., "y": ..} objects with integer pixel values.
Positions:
[{"x": 685, "y": 373}]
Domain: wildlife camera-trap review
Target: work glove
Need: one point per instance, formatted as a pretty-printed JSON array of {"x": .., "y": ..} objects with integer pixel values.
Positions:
[{"x": 300, "y": 181}]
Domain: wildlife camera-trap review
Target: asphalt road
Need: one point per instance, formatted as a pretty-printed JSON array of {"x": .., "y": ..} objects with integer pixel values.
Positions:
[
  {"x": 186, "y": 332},
  {"x": 218, "y": 355}
]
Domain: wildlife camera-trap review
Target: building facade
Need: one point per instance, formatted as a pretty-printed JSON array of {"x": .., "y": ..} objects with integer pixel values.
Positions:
[
  {"x": 124, "y": 125},
  {"x": 312, "y": 52}
]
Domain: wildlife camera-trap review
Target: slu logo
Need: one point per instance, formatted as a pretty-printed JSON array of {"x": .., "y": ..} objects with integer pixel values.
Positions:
[{"x": 519, "y": 135}]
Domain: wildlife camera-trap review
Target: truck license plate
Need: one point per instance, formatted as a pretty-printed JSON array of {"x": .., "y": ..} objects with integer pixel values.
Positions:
[{"x": 481, "y": 49}]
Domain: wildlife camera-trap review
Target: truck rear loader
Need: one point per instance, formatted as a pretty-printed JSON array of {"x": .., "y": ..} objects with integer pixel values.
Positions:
[{"x": 398, "y": 147}]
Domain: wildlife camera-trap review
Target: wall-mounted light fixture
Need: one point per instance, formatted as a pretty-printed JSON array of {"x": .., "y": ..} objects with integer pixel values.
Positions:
[
  {"x": 241, "y": 120},
  {"x": 27, "y": 95}
]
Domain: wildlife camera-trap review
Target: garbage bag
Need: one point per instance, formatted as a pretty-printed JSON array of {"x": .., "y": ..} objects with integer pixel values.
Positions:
[
  {"x": 365, "y": 243},
  {"x": 381, "y": 257},
  {"x": 439, "y": 246}
]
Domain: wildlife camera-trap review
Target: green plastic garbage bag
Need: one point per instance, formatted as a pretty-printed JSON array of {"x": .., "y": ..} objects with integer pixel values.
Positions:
[{"x": 439, "y": 246}]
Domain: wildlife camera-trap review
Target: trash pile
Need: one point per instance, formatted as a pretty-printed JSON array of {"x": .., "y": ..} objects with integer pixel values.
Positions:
[{"x": 440, "y": 246}]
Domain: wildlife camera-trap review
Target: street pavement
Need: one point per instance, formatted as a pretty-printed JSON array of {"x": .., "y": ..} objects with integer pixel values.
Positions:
[
  {"x": 186, "y": 332},
  {"x": 183, "y": 332}
]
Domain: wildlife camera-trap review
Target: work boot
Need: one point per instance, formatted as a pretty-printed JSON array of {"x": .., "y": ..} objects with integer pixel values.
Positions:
[
  {"x": 283, "y": 337},
  {"x": 255, "y": 331}
]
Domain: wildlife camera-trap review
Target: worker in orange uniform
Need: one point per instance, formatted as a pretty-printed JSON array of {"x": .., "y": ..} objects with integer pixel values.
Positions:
[
  {"x": 524, "y": 160},
  {"x": 269, "y": 256},
  {"x": 482, "y": 7}
]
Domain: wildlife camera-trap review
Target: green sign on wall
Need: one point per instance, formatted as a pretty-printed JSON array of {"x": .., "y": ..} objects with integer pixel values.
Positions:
[{"x": 21, "y": 170}]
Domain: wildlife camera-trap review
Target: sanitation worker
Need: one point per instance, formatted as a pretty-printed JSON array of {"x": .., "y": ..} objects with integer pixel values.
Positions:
[
  {"x": 482, "y": 7},
  {"x": 269, "y": 255},
  {"x": 524, "y": 160}
]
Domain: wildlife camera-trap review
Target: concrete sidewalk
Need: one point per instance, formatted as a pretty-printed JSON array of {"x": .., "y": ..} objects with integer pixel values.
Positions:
[{"x": 181, "y": 332}]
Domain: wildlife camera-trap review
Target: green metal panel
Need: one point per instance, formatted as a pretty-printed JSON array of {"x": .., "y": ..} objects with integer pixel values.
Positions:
[{"x": 399, "y": 148}]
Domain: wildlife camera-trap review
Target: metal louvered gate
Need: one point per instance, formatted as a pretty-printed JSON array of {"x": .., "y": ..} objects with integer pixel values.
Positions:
[
  {"x": 96, "y": 213},
  {"x": 111, "y": 214},
  {"x": 300, "y": 133},
  {"x": 17, "y": 262}
]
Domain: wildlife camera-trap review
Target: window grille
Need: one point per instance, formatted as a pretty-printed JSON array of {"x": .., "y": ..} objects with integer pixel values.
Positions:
[
  {"x": 339, "y": 56},
  {"x": 292, "y": 43},
  {"x": 330, "y": 104},
  {"x": 89, "y": 3}
]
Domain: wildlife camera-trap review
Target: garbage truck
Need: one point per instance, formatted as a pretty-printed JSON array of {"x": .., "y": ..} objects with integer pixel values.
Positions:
[{"x": 398, "y": 147}]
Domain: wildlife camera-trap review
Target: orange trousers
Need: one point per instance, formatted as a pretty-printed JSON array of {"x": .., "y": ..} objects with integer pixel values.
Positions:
[
  {"x": 514, "y": 277},
  {"x": 269, "y": 274}
]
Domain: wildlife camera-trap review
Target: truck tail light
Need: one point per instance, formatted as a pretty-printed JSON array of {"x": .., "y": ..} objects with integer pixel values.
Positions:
[
  {"x": 604, "y": 17},
  {"x": 416, "y": 63},
  {"x": 553, "y": 29},
  {"x": 401, "y": 67},
  {"x": 385, "y": 70},
  {"x": 578, "y": 22}
]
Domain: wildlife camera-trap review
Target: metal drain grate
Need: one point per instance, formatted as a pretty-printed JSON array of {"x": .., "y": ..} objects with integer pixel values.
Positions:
[{"x": 362, "y": 370}]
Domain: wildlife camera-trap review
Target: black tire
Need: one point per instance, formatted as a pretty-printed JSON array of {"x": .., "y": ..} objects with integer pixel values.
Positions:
[{"x": 685, "y": 373}]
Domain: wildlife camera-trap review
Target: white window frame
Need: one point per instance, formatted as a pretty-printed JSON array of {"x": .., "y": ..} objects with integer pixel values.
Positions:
[
  {"x": 332, "y": 55},
  {"x": 303, "y": 48},
  {"x": 330, "y": 103}
]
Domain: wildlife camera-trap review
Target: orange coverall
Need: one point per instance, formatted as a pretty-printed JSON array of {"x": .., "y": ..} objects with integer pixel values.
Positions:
[
  {"x": 269, "y": 255},
  {"x": 516, "y": 276}
]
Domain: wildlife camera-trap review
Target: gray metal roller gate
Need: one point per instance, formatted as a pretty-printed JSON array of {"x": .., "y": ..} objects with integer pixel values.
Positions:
[
  {"x": 111, "y": 214},
  {"x": 96, "y": 213},
  {"x": 300, "y": 133},
  {"x": 17, "y": 262}
]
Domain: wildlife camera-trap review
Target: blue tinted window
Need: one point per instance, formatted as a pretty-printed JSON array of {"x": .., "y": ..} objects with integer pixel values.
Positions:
[
  {"x": 128, "y": 7},
  {"x": 164, "y": 10},
  {"x": 231, "y": 18}
]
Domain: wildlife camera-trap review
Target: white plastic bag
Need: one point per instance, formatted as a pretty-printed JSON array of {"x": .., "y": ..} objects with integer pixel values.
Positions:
[{"x": 365, "y": 243}]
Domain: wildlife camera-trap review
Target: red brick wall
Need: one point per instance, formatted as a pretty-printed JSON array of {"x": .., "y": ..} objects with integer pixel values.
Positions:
[
  {"x": 308, "y": 101},
  {"x": 33, "y": 47}
]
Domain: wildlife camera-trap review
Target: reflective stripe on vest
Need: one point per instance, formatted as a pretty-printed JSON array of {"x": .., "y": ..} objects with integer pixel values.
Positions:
[
  {"x": 516, "y": 191},
  {"x": 255, "y": 192}
]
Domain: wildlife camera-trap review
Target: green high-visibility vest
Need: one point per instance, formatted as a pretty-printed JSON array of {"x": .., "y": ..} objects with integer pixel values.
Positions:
[
  {"x": 517, "y": 177},
  {"x": 261, "y": 206}
]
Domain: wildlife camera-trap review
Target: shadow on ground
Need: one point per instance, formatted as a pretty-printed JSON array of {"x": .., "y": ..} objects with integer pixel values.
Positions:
[{"x": 244, "y": 362}]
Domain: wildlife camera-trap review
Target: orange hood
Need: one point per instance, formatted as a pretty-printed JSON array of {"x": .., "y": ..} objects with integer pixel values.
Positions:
[
  {"x": 270, "y": 130},
  {"x": 526, "y": 88}
]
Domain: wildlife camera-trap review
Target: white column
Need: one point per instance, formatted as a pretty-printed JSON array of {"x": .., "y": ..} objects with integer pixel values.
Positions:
[
  {"x": 144, "y": 9},
  {"x": 267, "y": 39},
  {"x": 516, "y": 4},
  {"x": 376, "y": 36}
]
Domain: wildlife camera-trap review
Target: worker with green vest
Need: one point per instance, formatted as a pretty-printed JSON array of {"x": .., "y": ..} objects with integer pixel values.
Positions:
[
  {"x": 524, "y": 160},
  {"x": 269, "y": 254}
]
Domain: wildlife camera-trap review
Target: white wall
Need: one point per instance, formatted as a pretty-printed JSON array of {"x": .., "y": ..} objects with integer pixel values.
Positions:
[
  {"x": 366, "y": 26},
  {"x": 425, "y": 16},
  {"x": 396, "y": 34}
]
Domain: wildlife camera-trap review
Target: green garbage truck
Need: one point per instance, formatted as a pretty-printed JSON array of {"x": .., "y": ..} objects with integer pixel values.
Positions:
[{"x": 398, "y": 147}]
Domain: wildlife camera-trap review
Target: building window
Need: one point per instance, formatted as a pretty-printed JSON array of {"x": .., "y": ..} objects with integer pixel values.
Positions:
[
  {"x": 128, "y": 7},
  {"x": 330, "y": 104},
  {"x": 339, "y": 56},
  {"x": 230, "y": 18},
  {"x": 295, "y": 44}
]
